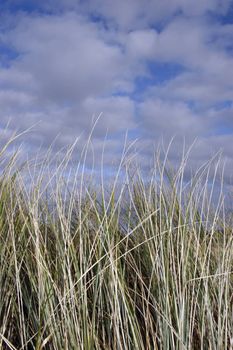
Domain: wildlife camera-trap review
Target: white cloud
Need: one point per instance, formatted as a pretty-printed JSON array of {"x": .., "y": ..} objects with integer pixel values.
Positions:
[
  {"x": 66, "y": 57},
  {"x": 70, "y": 68},
  {"x": 167, "y": 118},
  {"x": 142, "y": 43},
  {"x": 63, "y": 76},
  {"x": 201, "y": 88},
  {"x": 139, "y": 13}
]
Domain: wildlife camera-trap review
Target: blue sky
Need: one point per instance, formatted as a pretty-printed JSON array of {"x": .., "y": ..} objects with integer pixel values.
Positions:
[{"x": 158, "y": 69}]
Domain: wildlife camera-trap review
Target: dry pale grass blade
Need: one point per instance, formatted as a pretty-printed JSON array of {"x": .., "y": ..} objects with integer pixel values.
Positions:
[{"x": 143, "y": 263}]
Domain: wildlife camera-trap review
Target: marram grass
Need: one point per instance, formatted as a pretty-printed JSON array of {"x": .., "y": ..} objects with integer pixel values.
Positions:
[{"x": 146, "y": 266}]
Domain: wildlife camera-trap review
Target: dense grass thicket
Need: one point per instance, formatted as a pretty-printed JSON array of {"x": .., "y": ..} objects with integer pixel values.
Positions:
[{"x": 144, "y": 265}]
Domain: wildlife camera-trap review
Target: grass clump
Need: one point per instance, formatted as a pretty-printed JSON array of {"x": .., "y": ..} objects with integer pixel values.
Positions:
[{"x": 146, "y": 266}]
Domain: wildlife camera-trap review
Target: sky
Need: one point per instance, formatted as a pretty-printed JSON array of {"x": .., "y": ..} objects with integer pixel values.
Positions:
[{"x": 154, "y": 69}]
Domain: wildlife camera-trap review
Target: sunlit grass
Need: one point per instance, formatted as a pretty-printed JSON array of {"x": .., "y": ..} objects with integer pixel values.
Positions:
[{"x": 145, "y": 266}]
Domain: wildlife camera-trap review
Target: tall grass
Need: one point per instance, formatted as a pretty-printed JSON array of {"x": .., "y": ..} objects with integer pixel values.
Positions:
[{"x": 145, "y": 266}]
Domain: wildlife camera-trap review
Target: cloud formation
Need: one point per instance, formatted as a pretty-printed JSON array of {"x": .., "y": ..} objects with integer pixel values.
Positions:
[{"x": 155, "y": 68}]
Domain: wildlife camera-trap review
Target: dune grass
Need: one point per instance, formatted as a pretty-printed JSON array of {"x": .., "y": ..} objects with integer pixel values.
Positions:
[{"x": 144, "y": 265}]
